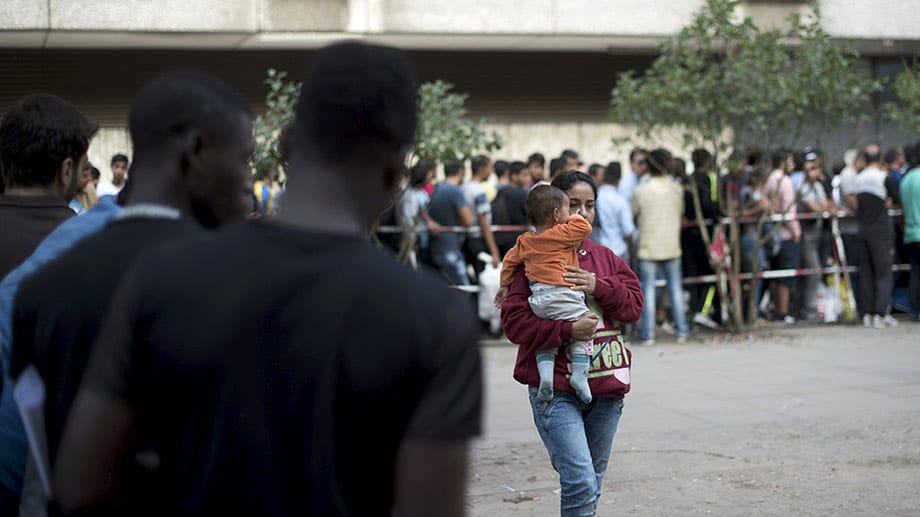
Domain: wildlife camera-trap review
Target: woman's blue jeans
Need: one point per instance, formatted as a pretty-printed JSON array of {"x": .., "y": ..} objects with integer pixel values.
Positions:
[
  {"x": 579, "y": 439},
  {"x": 647, "y": 276}
]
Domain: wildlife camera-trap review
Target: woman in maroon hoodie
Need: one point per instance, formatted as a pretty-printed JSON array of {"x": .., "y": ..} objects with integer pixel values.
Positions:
[{"x": 578, "y": 436}]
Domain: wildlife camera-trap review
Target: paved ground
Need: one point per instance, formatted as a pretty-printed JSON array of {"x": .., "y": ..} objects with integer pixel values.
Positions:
[{"x": 800, "y": 421}]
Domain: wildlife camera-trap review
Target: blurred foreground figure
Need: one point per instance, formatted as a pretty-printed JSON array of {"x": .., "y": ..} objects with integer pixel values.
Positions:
[
  {"x": 303, "y": 390},
  {"x": 192, "y": 135}
]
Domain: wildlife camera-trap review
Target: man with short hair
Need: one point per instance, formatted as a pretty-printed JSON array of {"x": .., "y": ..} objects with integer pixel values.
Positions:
[
  {"x": 638, "y": 166},
  {"x": 614, "y": 214},
  {"x": 449, "y": 207},
  {"x": 502, "y": 181},
  {"x": 658, "y": 207},
  {"x": 480, "y": 237},
  {"x": 570, "y": 159},
  {"x": 557, "y": 166},
  {"x": 119, "y": 177},
  {"x": 43, "y": 144},
  {"x": 508, "y": 206},
  {"x": 596, "y": 171},
  {"x": 895, "y": 161},
  {"x": 781, "y": 193},
  {"x": 260, "y": 392},
  {"x": 873, "y": 192},
  {"x": 704, "y": 304},
  {"x": 536, "y": 163}
]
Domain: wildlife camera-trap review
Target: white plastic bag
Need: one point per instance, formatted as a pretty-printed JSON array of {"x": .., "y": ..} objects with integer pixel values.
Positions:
[{"x": 489, "y": 281}]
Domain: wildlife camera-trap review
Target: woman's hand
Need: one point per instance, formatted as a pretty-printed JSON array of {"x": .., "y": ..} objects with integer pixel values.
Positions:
[
  {"x": 584, "y": 281},
  {"x": 583, "y": 329},
  {"x": 500, "y": 296}
]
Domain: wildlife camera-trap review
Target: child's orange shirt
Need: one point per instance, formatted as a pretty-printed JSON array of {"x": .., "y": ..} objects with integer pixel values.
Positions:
[{"x": 545, "y": 255}]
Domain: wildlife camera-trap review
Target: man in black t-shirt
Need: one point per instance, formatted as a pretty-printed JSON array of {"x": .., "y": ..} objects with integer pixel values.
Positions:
[
  {"x": 191, "y": 135},
  {"x": 43, "y": 144},
  {"x": 334, "y": 382}
]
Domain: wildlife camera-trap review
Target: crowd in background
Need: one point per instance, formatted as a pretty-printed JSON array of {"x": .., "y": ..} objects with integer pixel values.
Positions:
[{"x": 646, "y": 214}]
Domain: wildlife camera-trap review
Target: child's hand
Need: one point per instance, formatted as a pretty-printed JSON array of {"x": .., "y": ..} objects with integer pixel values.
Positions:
[{"x": 500, "y": 296}]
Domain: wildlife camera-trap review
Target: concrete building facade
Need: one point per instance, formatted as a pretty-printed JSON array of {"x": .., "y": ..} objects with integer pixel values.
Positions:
[{"x": 540, "y": 70}]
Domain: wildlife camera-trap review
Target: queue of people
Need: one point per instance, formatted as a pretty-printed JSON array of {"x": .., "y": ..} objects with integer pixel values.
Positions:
[{"x": 639, "y": 202}]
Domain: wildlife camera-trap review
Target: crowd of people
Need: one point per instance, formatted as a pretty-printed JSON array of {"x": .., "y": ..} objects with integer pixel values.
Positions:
[
  {"x": 647, "y": 215},
  {"x": 162, "y": 355}
]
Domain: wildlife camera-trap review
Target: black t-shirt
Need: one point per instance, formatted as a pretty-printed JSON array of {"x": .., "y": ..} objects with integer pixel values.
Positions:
[
  {"x": 59, "y": 309},
  {"x": 24, "y": 222},
  {"x": 278, "y": 370},
  {"x": 872, "y": 187}
]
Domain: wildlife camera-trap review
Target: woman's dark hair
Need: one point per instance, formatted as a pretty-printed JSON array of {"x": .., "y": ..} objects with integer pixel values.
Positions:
[
  {"x": 418, "y": 174},
  {"x": 565, "y": 180}
]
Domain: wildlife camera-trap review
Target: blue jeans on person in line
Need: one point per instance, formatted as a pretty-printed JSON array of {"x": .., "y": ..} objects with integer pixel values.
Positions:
[
  {"x": 672, "y": 273},
  {"x": 747, "y": 263},
  {"x": 579, "y": 440},
  {"x": 452, "y": 266}
]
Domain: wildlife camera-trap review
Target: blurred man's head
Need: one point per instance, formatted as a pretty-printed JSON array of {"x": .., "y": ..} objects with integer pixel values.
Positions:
[
  {"x": 537, "y": 165},
  {"x": 43, "y": 144},
  {"x": 192, "y": 134},
  {"x": 519, "y": 174},
  {"x": 637, "y": 161},
  {"x": 570, "y": 157},
  {"x": 356, "y": 116},
  {"x": 119, "y": 169},
  {"x": 482, "y": 167}
]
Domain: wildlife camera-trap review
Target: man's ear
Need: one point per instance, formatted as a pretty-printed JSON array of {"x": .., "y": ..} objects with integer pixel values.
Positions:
[
  {"x": 65, "y": 175},
  {"x": 191, "y": 147}
]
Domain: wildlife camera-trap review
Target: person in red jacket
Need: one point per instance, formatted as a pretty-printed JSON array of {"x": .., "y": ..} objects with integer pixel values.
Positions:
[
  {"x": 578, "y": 436},
  {"x": 545, "y": 253}
]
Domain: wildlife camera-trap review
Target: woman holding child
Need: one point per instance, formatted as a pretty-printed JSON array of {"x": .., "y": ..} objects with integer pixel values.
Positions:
[{"x": 577, "y": 435}]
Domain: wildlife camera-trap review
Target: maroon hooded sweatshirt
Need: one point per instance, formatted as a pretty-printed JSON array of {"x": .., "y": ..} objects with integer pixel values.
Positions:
[{"x": 617, "y": 300}]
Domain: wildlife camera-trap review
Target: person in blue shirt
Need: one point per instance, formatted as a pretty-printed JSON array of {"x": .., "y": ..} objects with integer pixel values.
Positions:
[
  {"x": 449, "y": 207},
  {"x": 614, "y": 214}
]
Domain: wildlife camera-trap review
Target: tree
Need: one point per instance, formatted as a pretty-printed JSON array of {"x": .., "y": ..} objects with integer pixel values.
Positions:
[
  {"x": 907, "y": 89},
  {"x": 279, "y": 112},
  {"x": 722, "y": 82},
  {"x": 444, "y": 133}
]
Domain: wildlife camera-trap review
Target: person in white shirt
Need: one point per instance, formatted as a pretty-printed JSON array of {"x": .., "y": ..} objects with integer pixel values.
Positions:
[
  {"x": 638, "y": 165},
  {"x": 119, "y": 177}
]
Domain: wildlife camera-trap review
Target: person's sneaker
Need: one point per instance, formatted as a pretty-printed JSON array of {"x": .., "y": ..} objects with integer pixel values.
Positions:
[
  {"x": 867, "y": 321},
  {"x": 645, "y": 342},
  {"x": 667, "y": 328},
  {"x": 877, "y": 322},
  {"x": 704, "y": 320},
  {"x": 888, "y": 321},
  {"x": 681, "y": 340},
  {"x": 788, "y": 320}
]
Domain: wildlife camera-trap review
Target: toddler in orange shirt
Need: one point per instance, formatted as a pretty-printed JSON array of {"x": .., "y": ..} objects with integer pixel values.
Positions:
[{"x": 545, "y": 253}]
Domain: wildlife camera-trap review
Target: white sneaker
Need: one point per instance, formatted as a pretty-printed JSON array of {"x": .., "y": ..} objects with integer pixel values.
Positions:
[
  {"x": 704, "y": 320},
  {"x": 889, "y": 321},
  {"x": 867, "y": 321},
  {"x": 667, "y": 328},
  {"x": 788, "y": 320},
  {"x": 877, "y": 322}
]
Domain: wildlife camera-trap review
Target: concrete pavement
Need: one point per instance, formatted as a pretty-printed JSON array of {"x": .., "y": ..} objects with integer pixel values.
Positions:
[{"x": 808, "y": 421}]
